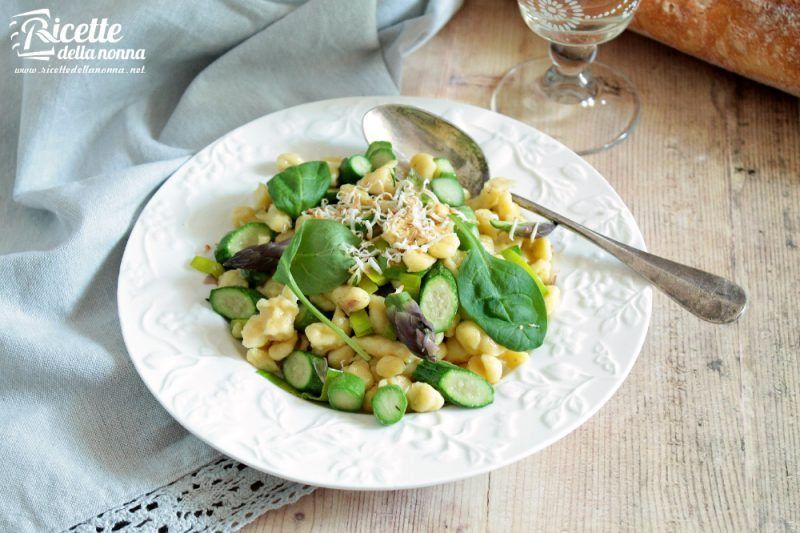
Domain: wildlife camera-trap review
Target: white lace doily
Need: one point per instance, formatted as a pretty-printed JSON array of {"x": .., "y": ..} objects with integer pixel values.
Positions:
[{"x": 224, "y": 495}]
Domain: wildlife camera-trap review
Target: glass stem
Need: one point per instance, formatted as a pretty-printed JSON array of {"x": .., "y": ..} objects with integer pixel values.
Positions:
[{"x": 569, "y": 81}]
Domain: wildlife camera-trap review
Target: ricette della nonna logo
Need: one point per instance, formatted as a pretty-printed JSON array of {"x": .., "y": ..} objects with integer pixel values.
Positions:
[{"x": 40, "y": 36}]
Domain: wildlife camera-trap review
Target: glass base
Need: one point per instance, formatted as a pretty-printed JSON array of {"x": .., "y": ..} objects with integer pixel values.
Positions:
[{"x": 589, "y": 113}]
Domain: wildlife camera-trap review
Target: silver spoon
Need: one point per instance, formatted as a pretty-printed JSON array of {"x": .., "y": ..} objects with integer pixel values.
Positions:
[{"x": 708, "y": 296}]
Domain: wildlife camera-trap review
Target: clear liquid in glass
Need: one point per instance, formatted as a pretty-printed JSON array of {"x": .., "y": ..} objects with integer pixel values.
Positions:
[{"x": 577, "y": 22}]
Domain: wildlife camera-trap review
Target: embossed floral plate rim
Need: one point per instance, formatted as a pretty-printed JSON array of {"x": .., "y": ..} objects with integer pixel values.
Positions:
[{"x": 186, "y": 358}]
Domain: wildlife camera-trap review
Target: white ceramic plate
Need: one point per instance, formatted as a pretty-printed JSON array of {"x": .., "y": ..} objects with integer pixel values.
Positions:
[{"x": 187, "y": 359}]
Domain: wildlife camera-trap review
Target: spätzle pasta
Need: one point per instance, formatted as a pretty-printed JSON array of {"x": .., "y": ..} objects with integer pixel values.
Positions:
[{"x": 381, "y": 286}]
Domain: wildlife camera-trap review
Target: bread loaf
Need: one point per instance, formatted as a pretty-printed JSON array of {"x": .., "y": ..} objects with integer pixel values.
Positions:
[{"x": 759, "y": 39}]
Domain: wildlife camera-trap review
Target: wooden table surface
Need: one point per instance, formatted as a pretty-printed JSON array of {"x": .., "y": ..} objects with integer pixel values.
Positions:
[{"x": 705, "y": 433}]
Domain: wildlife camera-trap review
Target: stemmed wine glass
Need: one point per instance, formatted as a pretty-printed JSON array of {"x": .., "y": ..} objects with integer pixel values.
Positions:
[{"x": 585, "y": 104}]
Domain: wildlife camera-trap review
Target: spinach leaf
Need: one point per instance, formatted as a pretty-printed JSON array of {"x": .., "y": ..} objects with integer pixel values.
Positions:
[
  {"x": 500, "y": 297},
  {"x": 317, "y": 261},
  {"x": 317, "y": 256},
  {"x": 300, "y": 187}
]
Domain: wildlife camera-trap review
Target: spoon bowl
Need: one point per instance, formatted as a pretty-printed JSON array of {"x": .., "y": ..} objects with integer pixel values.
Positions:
[{"x": 412, "y": 130}]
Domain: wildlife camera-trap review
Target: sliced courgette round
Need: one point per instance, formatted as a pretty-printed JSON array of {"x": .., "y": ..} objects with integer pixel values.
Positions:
[
  {"x": 234, "y": 302},
  {"x": 300, "y": 372},
  {"x": 241, "y": 238},
  {"x": 448, "y": 190},
  {"x": 389, "y": 404},
  {"x": 438, "y": 298},
  {"x": 346, "y": 392},
  {"x": 354, "y": 168}
]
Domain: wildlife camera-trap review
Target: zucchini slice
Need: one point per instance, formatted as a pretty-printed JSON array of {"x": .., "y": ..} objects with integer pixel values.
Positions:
[
  {"x": 448, "y": 190},
  {"x": 377, "y": 145},
  {"x": 379, "y": 153},
  {"x": 234, "y": 302},
  {"x": 346, "y": 392},
  {"x": 239, "y": 239},
  {"x": 389, "y": 404},
  {"x": 381, "y": 157},
  {"x": 354, "y": 168},
  {"x": 443, "y": 167},
  {"x": 438, "y": 298},
  {"x": 458, "y": 385},
  {"x": 300, "y": 371}
]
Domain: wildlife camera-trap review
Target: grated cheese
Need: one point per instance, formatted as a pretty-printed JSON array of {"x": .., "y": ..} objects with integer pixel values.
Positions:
[
  {"x": 407, "y": 222},
  {"x": 534, "y": 232}
]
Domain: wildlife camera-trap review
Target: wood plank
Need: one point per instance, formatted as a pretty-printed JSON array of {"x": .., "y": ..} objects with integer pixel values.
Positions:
[{"x": 765, "y": 202}]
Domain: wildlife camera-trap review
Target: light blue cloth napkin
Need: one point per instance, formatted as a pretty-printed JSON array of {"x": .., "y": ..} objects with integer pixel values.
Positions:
[{"x": 79, "y": 156}]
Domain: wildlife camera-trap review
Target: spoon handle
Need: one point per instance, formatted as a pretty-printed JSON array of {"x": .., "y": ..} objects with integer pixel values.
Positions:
[{"x": 710, "y": 297}]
